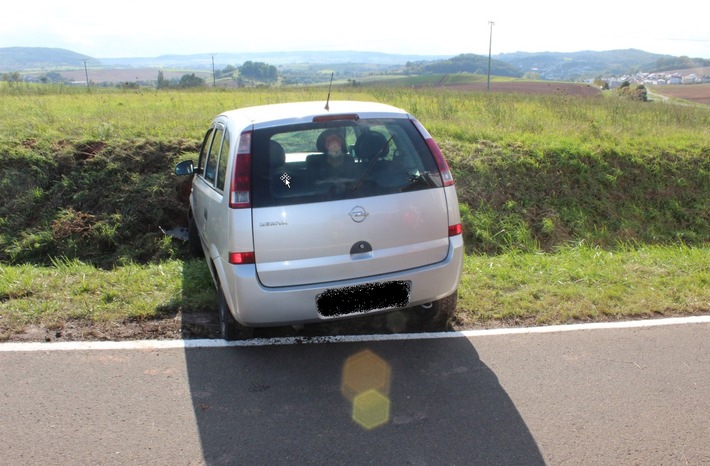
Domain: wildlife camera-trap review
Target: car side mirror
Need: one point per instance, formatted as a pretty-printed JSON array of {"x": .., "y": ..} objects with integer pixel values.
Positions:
[{"x": 185, "y": 168}]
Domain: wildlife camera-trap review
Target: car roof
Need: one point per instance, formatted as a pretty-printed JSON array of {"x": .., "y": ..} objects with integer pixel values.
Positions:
[{"x": 302, "y": 112}]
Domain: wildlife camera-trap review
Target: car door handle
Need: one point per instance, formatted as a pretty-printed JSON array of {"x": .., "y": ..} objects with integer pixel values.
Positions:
[{"x": 205, "y": 214}]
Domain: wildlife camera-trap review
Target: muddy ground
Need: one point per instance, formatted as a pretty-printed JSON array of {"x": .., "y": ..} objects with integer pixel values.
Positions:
[{"x": 206, "y": 325}]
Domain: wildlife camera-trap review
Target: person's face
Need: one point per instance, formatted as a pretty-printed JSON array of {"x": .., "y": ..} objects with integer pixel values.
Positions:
[{"x": 334, "y": 146}]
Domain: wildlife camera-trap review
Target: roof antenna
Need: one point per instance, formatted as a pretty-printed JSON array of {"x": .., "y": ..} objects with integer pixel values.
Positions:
[{"x": 330, "y": 86}]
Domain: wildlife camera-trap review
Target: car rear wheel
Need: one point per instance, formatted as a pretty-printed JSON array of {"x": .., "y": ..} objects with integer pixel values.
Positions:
[
  {"x": 229, "y": 327},
  {"x": 438, "y": 314}
]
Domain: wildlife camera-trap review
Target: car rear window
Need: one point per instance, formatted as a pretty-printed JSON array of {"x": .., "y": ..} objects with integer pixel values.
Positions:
[{"x": 319, "y": 162}]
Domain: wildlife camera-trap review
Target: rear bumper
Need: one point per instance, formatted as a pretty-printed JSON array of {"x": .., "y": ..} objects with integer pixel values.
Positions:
[{"x": 255, "y": 305}]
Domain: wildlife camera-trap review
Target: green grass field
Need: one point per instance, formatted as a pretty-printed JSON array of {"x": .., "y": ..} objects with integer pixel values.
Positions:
[{"x": 574, "y": 209}]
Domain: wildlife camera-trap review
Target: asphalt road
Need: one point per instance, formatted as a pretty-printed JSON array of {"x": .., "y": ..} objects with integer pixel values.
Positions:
[{"x": 621, "y": 396}]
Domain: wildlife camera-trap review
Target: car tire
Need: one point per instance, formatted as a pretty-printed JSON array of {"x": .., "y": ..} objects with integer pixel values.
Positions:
[
  {"x": 230, "y": 329},
  {"x": 438, "y": 314},
  {"x": 193, "y": 240}
]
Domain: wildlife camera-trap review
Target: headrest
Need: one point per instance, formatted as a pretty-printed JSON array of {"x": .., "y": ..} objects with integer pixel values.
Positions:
[
  {"x": 371, "y": 144},
  {"x": 277, "y": 155}
]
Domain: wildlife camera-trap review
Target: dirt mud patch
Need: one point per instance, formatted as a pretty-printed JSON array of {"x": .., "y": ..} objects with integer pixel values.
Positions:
[{"x": 196, "y": 325}]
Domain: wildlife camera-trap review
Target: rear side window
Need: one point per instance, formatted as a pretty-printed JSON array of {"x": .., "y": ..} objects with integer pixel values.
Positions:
[
  {"x": 340, "y": 160},
  {"x": 214, "y": 156},
  {"x": 204, "y": 151},
  {"x": 223, "y": 159}
]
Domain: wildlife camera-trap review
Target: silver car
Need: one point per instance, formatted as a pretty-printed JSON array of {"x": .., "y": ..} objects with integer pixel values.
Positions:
[{"x": 310, "y": 212}]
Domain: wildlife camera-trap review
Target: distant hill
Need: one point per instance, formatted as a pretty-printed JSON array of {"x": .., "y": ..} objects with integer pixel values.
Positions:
[
  {"x": 351, "y": 64},
  {"x": 273, "y": 58},
  {"x": 29, "y": 58},
  {"x": 465, "y": 63},
  {"x": 683, "y": 63},
  {"x": 590, "y": 64}
]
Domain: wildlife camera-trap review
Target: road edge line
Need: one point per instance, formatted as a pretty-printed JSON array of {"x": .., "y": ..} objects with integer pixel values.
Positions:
[{"x": 284, "y": 341}]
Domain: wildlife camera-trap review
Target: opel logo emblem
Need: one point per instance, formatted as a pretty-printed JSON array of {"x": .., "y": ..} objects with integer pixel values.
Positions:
[{"x": 358, "y": 214}]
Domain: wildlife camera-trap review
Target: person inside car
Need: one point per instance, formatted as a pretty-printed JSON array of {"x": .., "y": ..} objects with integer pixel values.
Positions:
[{"x": 335, "y": 162}]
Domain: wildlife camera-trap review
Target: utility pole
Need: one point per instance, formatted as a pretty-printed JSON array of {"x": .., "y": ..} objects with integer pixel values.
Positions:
[
  {"x": 214, "y": 80},
  {"x": 490, "y": 46},
  {"x": 86, "y": 71}
]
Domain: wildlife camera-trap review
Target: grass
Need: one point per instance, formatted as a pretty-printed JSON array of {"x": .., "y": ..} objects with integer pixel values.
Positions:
[
  {"x": 606, "y": 170},
  {"x": 624, "y": 183},
  {"x": 539, "y": 122},
  {"x": 583, "y": 283},
  {"x": 574, "y": 284},
  {"x": 70, "y": 290}
]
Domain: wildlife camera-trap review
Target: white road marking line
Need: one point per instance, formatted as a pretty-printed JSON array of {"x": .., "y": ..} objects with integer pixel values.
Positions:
[{"x": 216, "y": 343}]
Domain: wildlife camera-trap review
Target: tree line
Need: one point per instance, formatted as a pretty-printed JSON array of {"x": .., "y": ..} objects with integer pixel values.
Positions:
[
  {"x": 250, "y": 70},
  {"x": 679, "y": 63}
]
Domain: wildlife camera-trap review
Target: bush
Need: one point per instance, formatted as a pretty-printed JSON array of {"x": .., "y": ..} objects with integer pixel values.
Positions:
[{"x": 636, "y": 92}]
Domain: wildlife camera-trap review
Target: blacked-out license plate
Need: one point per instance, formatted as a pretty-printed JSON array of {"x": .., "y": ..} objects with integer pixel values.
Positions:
[{"x": 363, "y": 298}]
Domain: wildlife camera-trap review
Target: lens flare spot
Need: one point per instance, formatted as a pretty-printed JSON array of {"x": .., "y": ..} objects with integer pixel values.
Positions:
[
  {"x": 366, "y": 384},
  {"x": 365, "y": 371},
  {"x": 371, "y": 409}
]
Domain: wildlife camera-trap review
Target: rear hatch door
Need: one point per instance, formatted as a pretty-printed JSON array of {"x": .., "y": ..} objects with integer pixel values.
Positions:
[
  {"x": 345, "y": 199},
  {"x": 347, "y": 239}
]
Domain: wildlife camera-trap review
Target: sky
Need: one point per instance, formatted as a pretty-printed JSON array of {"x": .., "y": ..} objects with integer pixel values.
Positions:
[{"x": 150, "y": 28}]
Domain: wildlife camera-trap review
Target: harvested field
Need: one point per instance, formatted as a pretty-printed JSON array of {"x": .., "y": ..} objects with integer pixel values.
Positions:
[
  {"x": 128, "y": 75},
  {"x": 698, "y": 93},
  {"x": 532, "y": 87}
]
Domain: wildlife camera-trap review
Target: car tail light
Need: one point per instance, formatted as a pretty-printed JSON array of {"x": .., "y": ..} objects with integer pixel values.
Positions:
[
  {"x": 240, "y": 191},
  {"x": 340, "y": 117},
  {"x": 241, "y": 258},
  {"x": 455, "y": 230},
  {"x": 446, "y": 177}
]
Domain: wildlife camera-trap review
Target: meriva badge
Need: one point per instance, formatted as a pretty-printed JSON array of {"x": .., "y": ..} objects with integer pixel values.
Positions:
[{"x": 358, "y": 214}]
